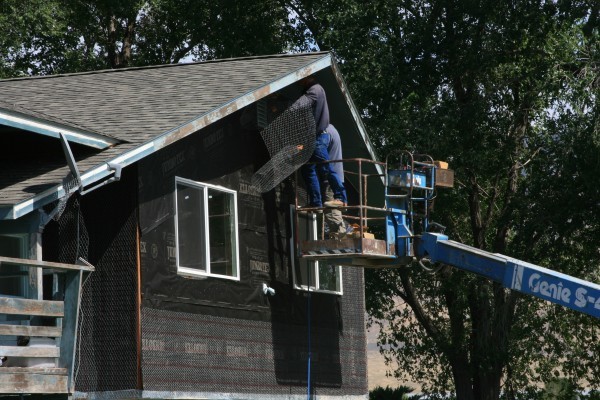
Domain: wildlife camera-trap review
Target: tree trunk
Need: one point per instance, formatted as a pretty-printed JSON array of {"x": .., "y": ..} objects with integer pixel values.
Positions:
[
  {"x": 120, "y": 58},
  {"x": 488, "y": 353},
  {"x": 463, "y": 383}
]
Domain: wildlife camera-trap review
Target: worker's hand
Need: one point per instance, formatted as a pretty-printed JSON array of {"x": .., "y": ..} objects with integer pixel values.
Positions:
[{"x": 300, "y": 147}]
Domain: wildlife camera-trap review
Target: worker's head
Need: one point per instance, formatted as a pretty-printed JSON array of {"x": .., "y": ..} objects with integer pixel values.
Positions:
[{"x": 308, "y": 81}]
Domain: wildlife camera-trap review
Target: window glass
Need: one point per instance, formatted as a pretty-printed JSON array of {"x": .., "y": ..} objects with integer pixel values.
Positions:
[
  {"x": 329, "y": 277},
  {"x": 206, "y": 223},
  {"x": 221, "y": 224},
  {"x": 191, "y": 234},
  {"x": 303, "y": 269}
]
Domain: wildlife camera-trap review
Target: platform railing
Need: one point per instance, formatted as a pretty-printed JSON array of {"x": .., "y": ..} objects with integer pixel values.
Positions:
[
  {"x": 42, "y": 358},
  {"x": 365, "y": 245},
  {"x": 361, "y": 180}
]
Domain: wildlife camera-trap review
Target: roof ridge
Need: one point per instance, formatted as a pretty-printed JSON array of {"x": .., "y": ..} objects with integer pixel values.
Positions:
[{"x": 157, "y": 66}]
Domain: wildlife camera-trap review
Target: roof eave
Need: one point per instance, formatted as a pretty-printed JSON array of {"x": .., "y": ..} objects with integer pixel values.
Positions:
[
  {"x": 52, "y": 129},
  {"x": 355, "y": 114},
  {"x": 103, "y": 171}
]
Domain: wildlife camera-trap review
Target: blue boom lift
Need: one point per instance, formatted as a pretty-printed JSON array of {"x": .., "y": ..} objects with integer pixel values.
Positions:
[{"x": 410, "y": 236}]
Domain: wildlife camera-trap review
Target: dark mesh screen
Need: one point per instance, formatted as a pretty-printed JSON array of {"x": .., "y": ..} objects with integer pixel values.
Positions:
[
  {"x": 209, "y": 337},
  {"x": 222, "y": 338},
  {"x": 101, "y": 227},
  {"x": 191, "y": 352},
  {"x": 290, "y": 139}
]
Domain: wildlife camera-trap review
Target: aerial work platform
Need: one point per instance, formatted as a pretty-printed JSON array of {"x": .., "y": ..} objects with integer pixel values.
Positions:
[
  {"x": 410, "y": 236},
  {"x": 352, "y": 251},
  {"x": 383, "y": 234}
]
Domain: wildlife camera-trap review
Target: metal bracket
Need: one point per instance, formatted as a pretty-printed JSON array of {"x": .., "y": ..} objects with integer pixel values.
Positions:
[
  {"x": 70, "y": 159},
  {"x": 116, "y": 168},
  {"x": 113, "y": 167}
]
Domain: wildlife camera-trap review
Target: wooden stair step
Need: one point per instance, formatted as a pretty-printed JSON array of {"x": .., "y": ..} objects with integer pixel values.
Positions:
[
  {"x": 37, "y": 370},
  {"x": 25, "y": 380},
  {"x": 26, "y": 330},
  {"x": 24, "y": 351},
  {"x": 45, "y": 308}
]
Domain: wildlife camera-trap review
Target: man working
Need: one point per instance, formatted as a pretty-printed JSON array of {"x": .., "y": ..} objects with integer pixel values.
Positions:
[
  {"x": 333, "y": 218},
  {"x": 316, "y": 94}
]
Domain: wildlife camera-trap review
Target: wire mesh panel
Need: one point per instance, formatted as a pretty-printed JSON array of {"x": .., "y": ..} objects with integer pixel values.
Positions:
[
  {"x": 73, "y": 236},
  {"x": 101, "y": 228},
  {"x": 201, "y": 353},
  {"x": 290, "y": 140},
  {"x": 70, "y": 185}
]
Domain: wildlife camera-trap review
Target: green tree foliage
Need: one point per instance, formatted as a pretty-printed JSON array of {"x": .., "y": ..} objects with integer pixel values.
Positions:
[
  {"x": 559, "y": 389},
  {"x": 54, "y": 36},
  {"x": 33, "y": 38},
  {"x": 388, "y": 393}
]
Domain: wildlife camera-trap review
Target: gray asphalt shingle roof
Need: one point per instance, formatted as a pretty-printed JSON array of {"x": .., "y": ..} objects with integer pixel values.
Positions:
[
  {"x": 138, "y": 104},
  {"x": 134, "y": 105}
]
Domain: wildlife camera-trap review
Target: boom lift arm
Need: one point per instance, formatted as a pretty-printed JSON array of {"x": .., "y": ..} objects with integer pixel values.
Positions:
[
  {"x": 514, "y": 274},
  {"x": 410, "y": 191}
]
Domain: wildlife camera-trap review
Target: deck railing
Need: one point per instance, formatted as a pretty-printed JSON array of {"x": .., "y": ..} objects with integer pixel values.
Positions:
[{"x": 42, "y": 360}]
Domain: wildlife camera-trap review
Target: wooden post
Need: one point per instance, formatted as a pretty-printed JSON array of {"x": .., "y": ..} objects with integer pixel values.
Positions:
[
  {"x": 68, "y": 341},
  {"x": 139, "y": 384}
]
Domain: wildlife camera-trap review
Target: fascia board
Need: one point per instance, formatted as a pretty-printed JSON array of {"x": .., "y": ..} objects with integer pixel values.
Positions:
[
  {"x": 52, "y": 129},
  {"x": 241, "y": 102}
]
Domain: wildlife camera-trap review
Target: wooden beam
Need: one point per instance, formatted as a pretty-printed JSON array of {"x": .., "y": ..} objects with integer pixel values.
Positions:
[
  {"x": 25, "y": 351},
  {"x": 25, "y": 330},
  {"x": 34, "y": 370},
  {"x": 25, "y": 262},
  {"x": 138, "y": 307},
  {"x": 68, "y": 342},
  {"x": 31, "y": 382},
  {"x": 45, "y": 308}
]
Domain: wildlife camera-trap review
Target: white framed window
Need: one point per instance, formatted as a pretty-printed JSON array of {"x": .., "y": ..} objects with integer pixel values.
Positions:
[
  {"x": 206, "y": 230},
  {"x": 315, "y": 276}
]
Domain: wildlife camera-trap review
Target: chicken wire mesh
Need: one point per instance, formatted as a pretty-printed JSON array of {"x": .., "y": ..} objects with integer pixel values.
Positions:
[
  {"x": 70, "y": 184},
  {"x": 104, "y": 235},
  {"x": 290, "y": 140}
]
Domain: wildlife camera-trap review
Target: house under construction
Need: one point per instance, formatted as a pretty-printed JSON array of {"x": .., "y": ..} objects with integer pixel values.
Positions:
[{"x": 137, "y": 258}]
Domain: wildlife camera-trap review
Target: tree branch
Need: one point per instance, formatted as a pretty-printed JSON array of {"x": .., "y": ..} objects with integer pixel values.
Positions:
[
  {"x": 475, "y": 212},
  {"x": 178, "y": 54},
  {"x": 309, "y": 20},
  {"x": 491, "y": 204},
  {"x": 516, "y": 137},
  {"x": 420, "y": 314}
]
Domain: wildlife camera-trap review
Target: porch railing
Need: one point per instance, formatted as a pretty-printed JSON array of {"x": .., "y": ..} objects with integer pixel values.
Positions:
[{"x": 40, "y": 336}]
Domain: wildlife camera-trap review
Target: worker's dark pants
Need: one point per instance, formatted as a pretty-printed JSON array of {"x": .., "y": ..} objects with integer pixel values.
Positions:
[{"x": 309, "y": 171}]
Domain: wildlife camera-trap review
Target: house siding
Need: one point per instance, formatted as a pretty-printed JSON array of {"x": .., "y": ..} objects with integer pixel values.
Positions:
[
  {"x": 213, "y": 335},
  {"x": 200, "y": 338}
]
